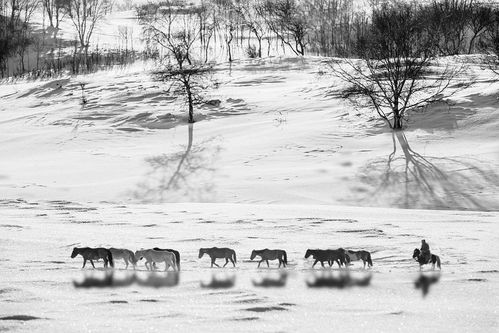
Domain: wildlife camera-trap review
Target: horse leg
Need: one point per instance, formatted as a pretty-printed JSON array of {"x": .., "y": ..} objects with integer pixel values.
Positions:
[
  {"x": 259, "y": 263},
  {"x": 126, "y": 262},
  {"x": 226, "y": 262},
  {"x": 214, "y": 263},
  {"x": 267, "y": 263},
  {"x": 316, "y": 261},
  {"x": 84, "y": 263},
  {"x": 280, "y": 261},
  {"x": 322, "y": 263},
  {"x": 364, "y": 263},
  {"x": 91, "y": 261},
  {"x": 233, "y": 263}
]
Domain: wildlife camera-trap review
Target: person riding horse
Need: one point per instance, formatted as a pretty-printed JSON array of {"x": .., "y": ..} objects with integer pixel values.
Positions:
[{"x": 425, "y": 251}]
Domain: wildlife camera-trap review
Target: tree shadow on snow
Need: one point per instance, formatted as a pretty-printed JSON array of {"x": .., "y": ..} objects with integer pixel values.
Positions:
[
  {"x": 412, "y": 180},
  {"x": 185, "y": 175}
]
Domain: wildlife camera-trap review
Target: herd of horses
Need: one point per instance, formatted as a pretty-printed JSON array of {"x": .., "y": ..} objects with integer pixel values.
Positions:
[{"x": 171, "y": 258}]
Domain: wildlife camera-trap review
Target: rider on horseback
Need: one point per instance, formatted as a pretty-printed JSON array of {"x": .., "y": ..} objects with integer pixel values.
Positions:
[{"x": 425, "y": 251}]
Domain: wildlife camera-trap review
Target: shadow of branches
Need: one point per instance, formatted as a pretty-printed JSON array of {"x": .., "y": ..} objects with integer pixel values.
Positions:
[
  {"x": 411, "y": 180},
  {"x": 185, "y": 175}
]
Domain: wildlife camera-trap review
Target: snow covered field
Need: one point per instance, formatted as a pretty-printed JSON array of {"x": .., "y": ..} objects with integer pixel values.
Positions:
[
  {"x": 280, "y": 163},
  {"x": 40, "y": 280}
]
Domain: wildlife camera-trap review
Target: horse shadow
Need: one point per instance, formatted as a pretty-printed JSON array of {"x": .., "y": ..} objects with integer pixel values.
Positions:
[
  {"x": 106, "y": 280},
  {"x": 271, "y": 280},
  {"x": 219, "y": 281},
  {"x": 183, "y": 175},
  {"x": 160, "y": 279},
  {"x": 414, "y": 180},
  {"x": 425, "y": 280},
  {"x": 338, "y": 280},
  {"x": 111, "y": 280}
]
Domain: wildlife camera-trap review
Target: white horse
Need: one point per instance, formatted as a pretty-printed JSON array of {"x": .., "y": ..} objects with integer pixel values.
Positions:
[
  {"x": 124, "y": 254},
  {"x": 153, "y": 256}
]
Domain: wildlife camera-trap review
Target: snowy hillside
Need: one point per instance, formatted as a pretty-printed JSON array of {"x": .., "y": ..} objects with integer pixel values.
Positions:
[{"x": 275, "y": 137}]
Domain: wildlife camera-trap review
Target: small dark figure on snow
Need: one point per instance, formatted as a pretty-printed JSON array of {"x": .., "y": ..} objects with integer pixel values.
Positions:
[{"x": 425, "y": 251}]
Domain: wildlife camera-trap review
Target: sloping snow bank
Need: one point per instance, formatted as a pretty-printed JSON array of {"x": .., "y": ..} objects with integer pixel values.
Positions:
[{"x": 275, "y": 136}]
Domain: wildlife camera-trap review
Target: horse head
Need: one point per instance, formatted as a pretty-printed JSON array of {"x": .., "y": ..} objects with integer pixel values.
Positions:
[
  {"x": 347, "y": 258},
  {"x": 253, "y": 254},
  {"x": 308, "y": 253},
  {"x": 416, "y": 254},
  {"x": 138, "y": 255},
  {"x": 75, "y": 252},
  {"x": 201, "y": 252}
]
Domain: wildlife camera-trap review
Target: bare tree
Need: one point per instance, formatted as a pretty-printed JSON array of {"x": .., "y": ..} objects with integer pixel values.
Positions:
[
  {"x": 450, "y": 19},
  {"x": 250, "y": 11},
  {"x": 492, "y": 47},
  {"x": 85, "y": 14},
  {"x": 285, "y": 18},
  {"x": 481, "y": 19},
  {"x": 177, "y": 32},
  {"x": 54, "y": 10},
  {"x": 398, "y": 69}
]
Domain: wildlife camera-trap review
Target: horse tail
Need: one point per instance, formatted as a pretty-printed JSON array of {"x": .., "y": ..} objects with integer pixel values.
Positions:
[
  {"x": 177, "y": 258},
  {"x": 285, "y": 257},
  {"x": 174, "y": 262},
  {"x": 438, "y": 262},
  {"x": 234, "y": 254},
  {"x": 110, "y": 258},
  {"x": 369, "y": 261}
]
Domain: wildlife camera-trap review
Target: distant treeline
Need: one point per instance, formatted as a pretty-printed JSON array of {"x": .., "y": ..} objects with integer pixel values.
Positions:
[
  {"x": 34, "y": 49},
  {"x": 327, "y": 27},
  {"x": 229, "y": 28}
]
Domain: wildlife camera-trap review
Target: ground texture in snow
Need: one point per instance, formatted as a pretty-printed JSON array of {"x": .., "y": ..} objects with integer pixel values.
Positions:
[
  {"x": 275, "y": 132},
  {"x": 40, "y": 282}
]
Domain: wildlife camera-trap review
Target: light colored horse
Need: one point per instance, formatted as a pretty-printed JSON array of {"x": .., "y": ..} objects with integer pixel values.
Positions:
[
  {"x": 153, "y": 256},
  {"x": 360, "y": 255},
  {"x": 222, "y": 252},
  {"x": 124, "y": 254},
  {"x": 267, "y": 255}
]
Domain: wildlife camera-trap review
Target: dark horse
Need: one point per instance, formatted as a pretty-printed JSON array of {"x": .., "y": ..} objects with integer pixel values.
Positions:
[
  {"x": 175, "y": 252},
  {"x": 330, "y": 256},
  {"x": 423, "y": 261},
  {"x": 267, "y": 255},
  {"x": 216, "y": 252},
  {"x": 93, "y": 254}
]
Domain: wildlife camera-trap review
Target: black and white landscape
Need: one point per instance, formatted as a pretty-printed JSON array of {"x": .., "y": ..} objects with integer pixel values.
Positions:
[{"x": 247, "y": 124}]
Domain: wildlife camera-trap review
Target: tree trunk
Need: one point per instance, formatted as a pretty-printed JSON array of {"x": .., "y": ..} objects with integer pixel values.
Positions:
[
  {"x": 190, "y": 102},
  {"x": 397, "y": 121}
]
